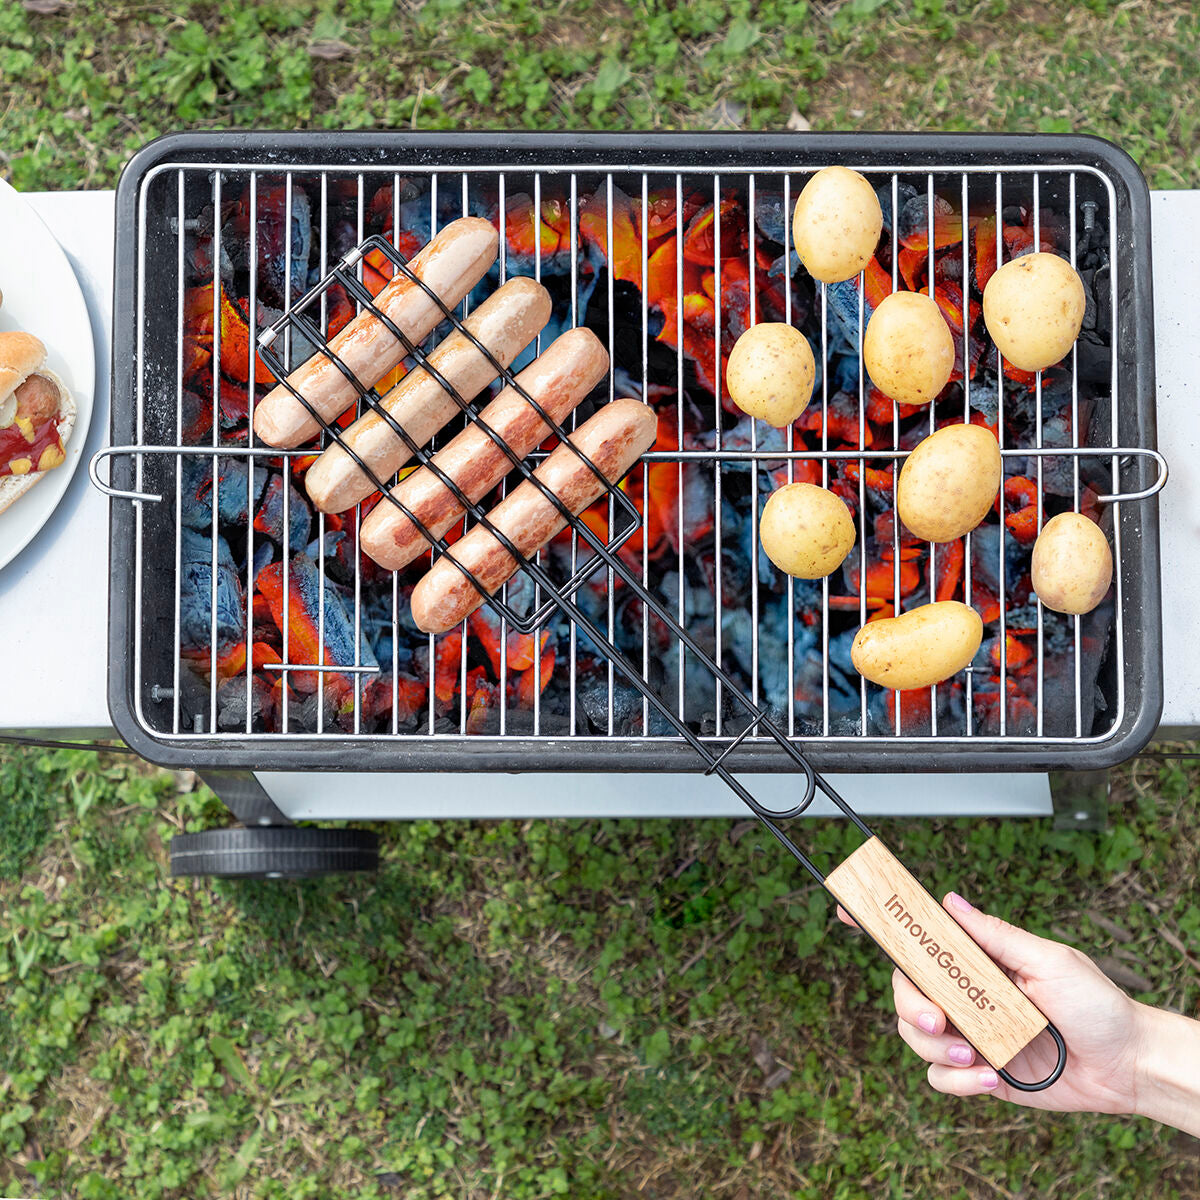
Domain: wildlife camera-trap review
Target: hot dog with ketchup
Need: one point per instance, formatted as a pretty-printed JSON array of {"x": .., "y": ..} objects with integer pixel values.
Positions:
[{"x": 37, "y": 415}]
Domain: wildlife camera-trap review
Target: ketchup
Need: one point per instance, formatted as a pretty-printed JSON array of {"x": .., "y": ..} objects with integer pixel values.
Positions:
[{"x": 19, "y": 455}]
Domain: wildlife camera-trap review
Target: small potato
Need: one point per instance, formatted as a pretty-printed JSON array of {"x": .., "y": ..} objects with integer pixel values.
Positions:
[
  {"x": 949, "y": 482},
  {"x": 1072, "y": 564},
  {"x": 908, "y": 349},
  {"x": 836, "y": 224},
  {"x": 1033, "y": 308},
  {"x": 771, "y": 372},
  {"x": 918, "y": 648},
  {"x": 805, "y": 530}
]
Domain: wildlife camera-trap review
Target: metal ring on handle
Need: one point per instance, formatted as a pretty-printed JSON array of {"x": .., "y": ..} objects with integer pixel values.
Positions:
[
  {"x": 1050, "y": 1079},
  {"x": 785, "y": 814}
]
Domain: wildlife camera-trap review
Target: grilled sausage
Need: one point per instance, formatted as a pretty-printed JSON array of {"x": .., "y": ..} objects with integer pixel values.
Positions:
[
  {"x": 38, "y": 398},
  {"x": 558, "y": 380},
  {"x": 613, "y": 439},
  {"x": 451, "y": 264},
  {"x": 506, "y": 322}
]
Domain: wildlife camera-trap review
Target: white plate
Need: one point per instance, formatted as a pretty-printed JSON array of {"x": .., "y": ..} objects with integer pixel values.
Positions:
[{"x": 42, "y": 296}]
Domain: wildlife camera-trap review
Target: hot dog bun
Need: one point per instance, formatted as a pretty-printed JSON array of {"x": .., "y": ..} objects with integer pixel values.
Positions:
[{"x": 22, "y": 355}]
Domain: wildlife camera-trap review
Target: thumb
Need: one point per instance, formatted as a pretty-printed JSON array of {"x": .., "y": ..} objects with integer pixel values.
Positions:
[{"x": 1014, "y": 948}]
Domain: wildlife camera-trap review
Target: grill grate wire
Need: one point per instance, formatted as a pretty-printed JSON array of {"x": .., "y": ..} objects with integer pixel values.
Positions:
[{"x": 347, "y": 272}]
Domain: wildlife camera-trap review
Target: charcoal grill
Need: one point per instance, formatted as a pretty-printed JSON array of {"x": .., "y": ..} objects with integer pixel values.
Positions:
[
  {"x": 173, "y": 187},
  {"x": 1094, "y": 179}
]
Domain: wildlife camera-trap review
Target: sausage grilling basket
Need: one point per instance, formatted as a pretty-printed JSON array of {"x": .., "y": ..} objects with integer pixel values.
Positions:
[{"x": 1092, "y": 687}]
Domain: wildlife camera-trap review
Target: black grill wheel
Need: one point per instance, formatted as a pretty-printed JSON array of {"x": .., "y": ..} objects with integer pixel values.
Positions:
[{"x": 274, "y": 852}]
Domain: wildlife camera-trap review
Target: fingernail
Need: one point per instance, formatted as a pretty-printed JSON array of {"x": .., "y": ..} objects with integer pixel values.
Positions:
[
  {"x": 963, "y": 1055},
  {"x": 927, "y": 1022},
  {"x": 958, "y": 902},
  {"x": 989, "y": 1079}
]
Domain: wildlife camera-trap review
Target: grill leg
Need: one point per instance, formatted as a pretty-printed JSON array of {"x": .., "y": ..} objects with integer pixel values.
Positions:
[
  {"x": 1080, "y": 799},
  {"x": 245, "y": 797}
]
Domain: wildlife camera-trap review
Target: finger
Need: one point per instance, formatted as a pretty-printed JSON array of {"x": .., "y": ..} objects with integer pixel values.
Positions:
[
  {"x": 969, "y": 1081},
  {"x": 846, "y": 918},
  {"x": 959, "y": 1081},
  {"x": 913, "y": 1006},
  {"x": 1011, "y": 947},
  {"x": 950, "y": 1050}
]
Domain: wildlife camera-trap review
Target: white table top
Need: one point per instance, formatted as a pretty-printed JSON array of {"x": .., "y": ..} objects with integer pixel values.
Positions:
[
  {"x": 1175, "y": 225},
  {"x": 62, "y": 576}
]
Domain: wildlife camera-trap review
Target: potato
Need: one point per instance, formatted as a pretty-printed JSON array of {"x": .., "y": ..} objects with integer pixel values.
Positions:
[
  {"x": 1072, "y": 564},
  {"x": 920, "y": 647},
  {"x": 805, "y": 530},
  {"x": 836, "y": 224},
  {"x": 908, "y": 349},
  {"x": 771, "y": 372},
  {"x": 1033, "y": 308},
  {"x": 949, "y": 482}
]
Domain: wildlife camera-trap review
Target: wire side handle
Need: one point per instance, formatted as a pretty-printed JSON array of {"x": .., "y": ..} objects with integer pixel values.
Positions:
[
  {"x": 105, "y": 486},
  {"x": 1118, "y": 497},
  {"x": 1164, "y": 470}
]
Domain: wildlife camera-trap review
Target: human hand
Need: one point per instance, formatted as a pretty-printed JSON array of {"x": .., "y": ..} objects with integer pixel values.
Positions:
[{"x": 1103, "y": 1027}]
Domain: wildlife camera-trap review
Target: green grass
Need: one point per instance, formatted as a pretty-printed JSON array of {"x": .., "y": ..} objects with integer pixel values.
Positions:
[
  {"x": 82, "y": 87},
  {"x": 530, "y": 1009}
]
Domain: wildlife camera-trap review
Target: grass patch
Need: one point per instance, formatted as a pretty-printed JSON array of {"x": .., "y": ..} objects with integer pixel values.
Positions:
[
  {"x": 27, "y": 814},
  {"x": 82, "y": 87},
  {"x": 528, "y": 1009}
]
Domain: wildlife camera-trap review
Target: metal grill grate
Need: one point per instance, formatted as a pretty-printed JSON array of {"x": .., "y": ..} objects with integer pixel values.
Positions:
[{"x": 179, "y": 201}]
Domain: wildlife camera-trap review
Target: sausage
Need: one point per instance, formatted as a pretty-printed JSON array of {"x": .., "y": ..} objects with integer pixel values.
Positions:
[
  {"x": 613, "y": 439},
  {"x": 558, "y": 380},
  {"x": 506, "y": 322},
  {"x": 451, "y": 264},
  {"x": 37, "y": 398}
]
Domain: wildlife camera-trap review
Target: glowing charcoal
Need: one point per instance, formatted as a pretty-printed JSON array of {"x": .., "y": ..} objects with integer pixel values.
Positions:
[
  {"x": 197, "y": 487},
  {"x": 905, "y": 193},
  {"x": 268, "y": 516},
  {"x": 304, "y": 644},
  {"x": 704, "y": 311},
  {"x": 231, "y": 704},
  {"x": 197, "y": 419},
  {"x": 235, "y": 336},
  {"x": 196, "y": 593},
  {"x": 914, "y": 223}
]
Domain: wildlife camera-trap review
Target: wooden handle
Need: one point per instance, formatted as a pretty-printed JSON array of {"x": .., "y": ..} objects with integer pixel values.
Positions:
[{"x": 936, "y": 953}]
